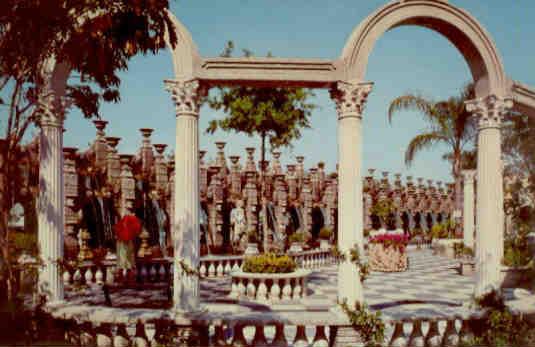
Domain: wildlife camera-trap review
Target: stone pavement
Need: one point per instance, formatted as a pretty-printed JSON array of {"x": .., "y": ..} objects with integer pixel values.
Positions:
[{"x": 431, "y": 287}]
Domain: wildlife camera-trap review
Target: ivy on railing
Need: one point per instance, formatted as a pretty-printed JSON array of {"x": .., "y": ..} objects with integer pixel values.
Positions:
[
  {"x": 499, "y": 326},
  {"x": 369, "y": 324}
]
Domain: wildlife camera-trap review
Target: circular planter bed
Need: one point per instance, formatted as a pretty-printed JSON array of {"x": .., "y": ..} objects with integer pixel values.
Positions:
[
  {"x": 269, "y": 287},
  {"x": 386, "y": 258},
  {"x": 387, "y": 252}
]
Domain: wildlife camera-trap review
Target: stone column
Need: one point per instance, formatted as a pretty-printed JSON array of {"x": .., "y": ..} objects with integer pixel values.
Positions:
[
  {"x": 489, "y": 226},
  {"x": 51, "y": 202},
  {"x": 468, "y": 205},
  {"x": 186, "y": 96},
  {"x": 350, "y": 99}
]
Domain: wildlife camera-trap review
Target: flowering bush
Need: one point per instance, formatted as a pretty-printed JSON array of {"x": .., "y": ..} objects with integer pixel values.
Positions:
[
  {"x": 269, "y": 263},
  {"x": 128, "y": 228},
  {"x": 388, "y": 240}
]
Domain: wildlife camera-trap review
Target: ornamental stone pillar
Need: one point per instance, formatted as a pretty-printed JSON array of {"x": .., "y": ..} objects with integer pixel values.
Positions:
[
  {"x": 350, "y": 99},
  {"x": 468, "y": 205},
  {"x": 147, "y": 157},
  {"x": 113, "y": 163},
  {"x": 489, "y": 227},
  {"x": 51, "y": 202},
  {"x": 100, "y": 145},
  {"x": 186, "y": 97}
]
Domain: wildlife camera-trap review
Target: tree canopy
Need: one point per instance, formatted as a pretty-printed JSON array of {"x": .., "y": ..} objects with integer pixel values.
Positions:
[
  {"x": 93, "y": 39},
  {"x": 448, "y": 122},
  {"x": 276, "y": 114}
]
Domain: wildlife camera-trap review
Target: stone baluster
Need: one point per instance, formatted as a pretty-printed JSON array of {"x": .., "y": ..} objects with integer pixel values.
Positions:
[
  {"x": 398, "y": 337},
  {"x": 350, "y": 99},
  {"x": 251, "y": 289},
  {"x": 279, "y": 340},
  {"x": 450, "y": 337},
  {"x": 274, "y": 294},
  {"x": 432, "y": 339},
  {"x": 416, "y": 339},
  {"x": 300, "y": 339},
  {"x": 186, "y": 97},
  {"x": 490, "y": 215},
  {"x": 239, "y": 338},
  {"x": 320, "y": 339},
  {"x": 259, "y": 338}
]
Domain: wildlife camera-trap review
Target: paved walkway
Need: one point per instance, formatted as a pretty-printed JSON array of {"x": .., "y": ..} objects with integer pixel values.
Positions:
[{"x": 431, "y": 287}]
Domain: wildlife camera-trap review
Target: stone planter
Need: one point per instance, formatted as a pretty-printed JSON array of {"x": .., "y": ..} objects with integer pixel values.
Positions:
[
  {"x": 269, "y": 287},
  {"x": 444, "y": 247},
  {"x": 296, "y": 247},
  {"x": 513, "y": 277},
  {"x": 252, "y": 249},
  {"x": 325, "y": 244},
  {"x": 387, "y": 259}
]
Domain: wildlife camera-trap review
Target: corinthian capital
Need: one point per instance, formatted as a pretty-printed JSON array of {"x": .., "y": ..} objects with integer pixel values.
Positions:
[
  {"x": 469, "y": 176},
  {"x": 489, "y": 110},
  {"x": 51, "y": 110},
  {"x": 350, "y": 98},
  {"x": 187, "y": 95}
]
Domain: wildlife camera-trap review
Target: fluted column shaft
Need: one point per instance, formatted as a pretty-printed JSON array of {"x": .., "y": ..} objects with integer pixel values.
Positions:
[
  {"x": 50, "y": 212},
  {"x": 350, "y": 99},
  {"x": 489, "y": 214},
  {"x": 186, "y": 96},
  {"x": 468, "y": 206}
]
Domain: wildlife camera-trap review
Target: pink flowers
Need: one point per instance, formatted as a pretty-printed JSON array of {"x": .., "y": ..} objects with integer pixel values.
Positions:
[{"x": 387, "y": 240}]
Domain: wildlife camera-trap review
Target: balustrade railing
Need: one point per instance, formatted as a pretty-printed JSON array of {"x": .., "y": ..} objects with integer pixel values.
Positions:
[
  {"x": 159, "y": 269},
  {"x": 425, "y": 332}
]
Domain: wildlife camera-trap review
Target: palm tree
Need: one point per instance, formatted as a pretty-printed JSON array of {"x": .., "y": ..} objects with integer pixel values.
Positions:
[{"x": 449, "y": 123}]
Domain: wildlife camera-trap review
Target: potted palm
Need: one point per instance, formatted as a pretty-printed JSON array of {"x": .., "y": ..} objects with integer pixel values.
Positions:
[
  {"x": 325, "y": 236},
  {"x": 296, "y": 242},
  {"x": 252, "y": 243}
]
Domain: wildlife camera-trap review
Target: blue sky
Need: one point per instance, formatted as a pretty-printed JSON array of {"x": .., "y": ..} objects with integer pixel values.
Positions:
[{"x": 404, "y": 59}]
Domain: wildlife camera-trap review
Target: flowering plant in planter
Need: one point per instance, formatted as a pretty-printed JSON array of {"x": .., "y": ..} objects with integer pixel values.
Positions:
[
  {"x": 399, "y": 241},
  {"x": 269, "y": 263}
]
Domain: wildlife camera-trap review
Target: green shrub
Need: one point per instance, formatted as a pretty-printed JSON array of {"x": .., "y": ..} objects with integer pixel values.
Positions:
[
  {"x": 269, "y": 263},
  {"x": 297, "y": 237},
  {"x": 499, "y": 327},
  {"x": 325, "y": 233}
]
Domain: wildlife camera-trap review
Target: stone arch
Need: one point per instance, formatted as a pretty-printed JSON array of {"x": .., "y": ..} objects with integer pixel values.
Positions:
[
  {"x": 457, "y": 25},
  {"x": 185, "y": 55}
]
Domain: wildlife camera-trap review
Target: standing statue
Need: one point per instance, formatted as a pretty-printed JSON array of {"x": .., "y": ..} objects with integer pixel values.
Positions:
[
  {"x": 238, "y": 224},
  {"x": 156, "y": 222}
]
